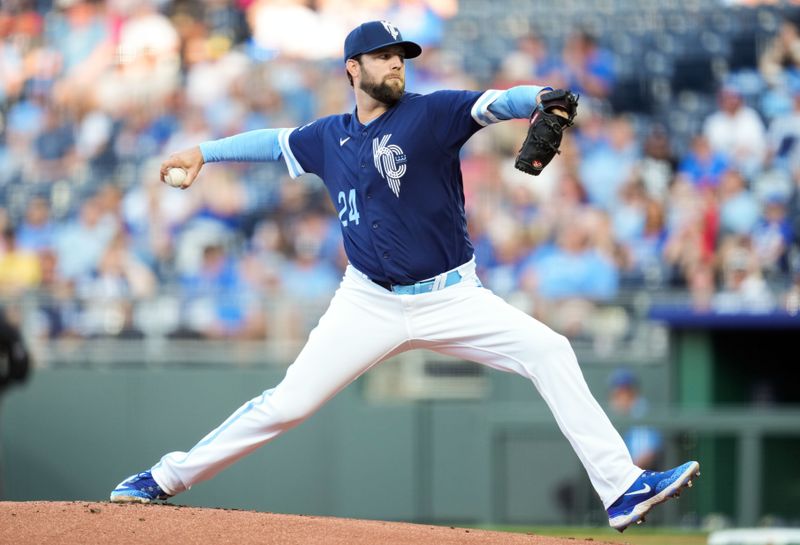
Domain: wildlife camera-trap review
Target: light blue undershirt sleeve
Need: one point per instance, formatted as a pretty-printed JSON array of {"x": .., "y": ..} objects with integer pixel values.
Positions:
[
  {"x": 516, "y": 103},
  {"x": 259, "y": 145}
]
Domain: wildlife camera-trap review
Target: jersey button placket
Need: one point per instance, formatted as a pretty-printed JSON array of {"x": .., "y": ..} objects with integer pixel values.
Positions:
[{"x": 375, "y": 224}]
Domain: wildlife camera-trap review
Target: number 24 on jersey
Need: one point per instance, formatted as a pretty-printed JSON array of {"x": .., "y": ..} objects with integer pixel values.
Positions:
[{"x": 347, "y": 202}]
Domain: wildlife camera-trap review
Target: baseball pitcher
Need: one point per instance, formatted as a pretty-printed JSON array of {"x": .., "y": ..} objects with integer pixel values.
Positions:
[{"x": 391, "y": 167}]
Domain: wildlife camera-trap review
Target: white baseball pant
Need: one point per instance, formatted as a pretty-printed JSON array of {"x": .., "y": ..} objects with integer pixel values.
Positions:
[{"x": 463, "y": 320}]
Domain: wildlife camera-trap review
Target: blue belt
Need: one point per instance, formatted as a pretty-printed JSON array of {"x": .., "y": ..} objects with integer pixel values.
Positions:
[{"x": 426, "y": 286}]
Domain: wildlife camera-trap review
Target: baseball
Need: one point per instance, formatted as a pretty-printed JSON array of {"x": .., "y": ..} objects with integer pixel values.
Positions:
[{"x": 175, "y": 177}]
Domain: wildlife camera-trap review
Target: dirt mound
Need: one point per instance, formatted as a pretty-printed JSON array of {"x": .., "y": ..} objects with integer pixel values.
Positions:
[{"x": 86, "y": 523}]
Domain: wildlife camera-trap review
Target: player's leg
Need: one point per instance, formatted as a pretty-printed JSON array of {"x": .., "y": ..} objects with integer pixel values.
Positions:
[
  {"x": 329, "y": 361},
  {"x": 484, "y": 328}
]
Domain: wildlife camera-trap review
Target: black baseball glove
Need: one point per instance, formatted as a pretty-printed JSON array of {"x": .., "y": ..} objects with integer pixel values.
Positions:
[{"x": 546, "y": 129}]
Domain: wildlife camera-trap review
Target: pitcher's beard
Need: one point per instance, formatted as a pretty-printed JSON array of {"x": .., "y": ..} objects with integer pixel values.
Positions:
[{"x": 383, "y": 92}]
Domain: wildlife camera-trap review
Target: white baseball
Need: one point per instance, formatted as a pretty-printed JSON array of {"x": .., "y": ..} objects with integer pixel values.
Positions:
[{"x": 175, "y": 177}]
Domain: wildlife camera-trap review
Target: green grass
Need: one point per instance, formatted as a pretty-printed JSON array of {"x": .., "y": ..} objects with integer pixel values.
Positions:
[{"x": 632, "y": 536}]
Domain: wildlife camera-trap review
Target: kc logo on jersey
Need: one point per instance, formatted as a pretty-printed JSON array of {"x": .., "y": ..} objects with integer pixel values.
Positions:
[
  {"x": 390, "y": 161},
  {"x": 391, "y": 29}
]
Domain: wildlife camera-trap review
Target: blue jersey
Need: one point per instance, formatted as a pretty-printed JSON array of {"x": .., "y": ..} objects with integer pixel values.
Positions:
[{"x": 396, "y": 182}]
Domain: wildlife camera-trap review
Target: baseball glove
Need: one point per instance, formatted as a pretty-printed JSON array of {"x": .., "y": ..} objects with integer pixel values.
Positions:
[{"x": 546, "y": 129}]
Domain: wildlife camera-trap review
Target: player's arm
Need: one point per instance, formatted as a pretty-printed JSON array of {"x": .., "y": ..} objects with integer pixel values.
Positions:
[
  {"x": 259, "y": 145},
  {"x": 514, "y": 103}
]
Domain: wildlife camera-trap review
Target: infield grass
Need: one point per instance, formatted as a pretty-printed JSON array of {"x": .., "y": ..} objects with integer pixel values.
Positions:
[{"x": 632, "y": 536}]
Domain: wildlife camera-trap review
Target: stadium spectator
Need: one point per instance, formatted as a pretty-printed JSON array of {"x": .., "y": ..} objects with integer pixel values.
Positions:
[
  {"x": 642, "y": 237},
  {"x": 94, "y": 139},
  {"x": 217, "y": 302},
  {"x": 20, "y": 270},
  {"x": 82, "y": 34},
  {"x": 11, "y": 59},
  {"x": 530, "y": 62},
  {"x": 508, "y": 249},
  {"x": 133, "y": 143},
  {"x": 645, "y": 443},
  {"x": 744, "y": 288},
  {"x": 701, "y": 165},
  {"x": 783, "y": 135},
  {"x": 37, "y": 231},
  {"x": 692, "y": 230},
  {"x": 222, "y": 200},
  {"x": 24, "y": 120},
  {"x": 266, "y": 257},
  {"x": 772, "y": 237},
  {"x": 54, "y": 147},
  {"x": 221, "y": 19},
  {"x": 781, "y": 55},
  {"x": 212, "y": 67},
  {"x": 424, "y": 19},
  {"x": 109, "y": 292},
  {"x": 57, "y": 310},
  {"x": 609, "y": 165},
  {"x": 574, "y": 269},
  {"x": 659, "y": 162},
  {"x": 307, "y": 277},
  {"x": 585, "y": 66},
  {"x": 81, "y": 242},
  {"x": 274, "y": 25},
  {"x": 630, "y": 214},
  {"x": 569, "y": 199},
  {"x": 736, "y": 130},
  {"x": 739, "y": 208},
  {"x": 145, "y": 66}
]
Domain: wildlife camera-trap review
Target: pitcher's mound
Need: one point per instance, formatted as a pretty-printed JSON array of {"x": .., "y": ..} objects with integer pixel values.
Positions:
[{"x": 86, "y": 523}]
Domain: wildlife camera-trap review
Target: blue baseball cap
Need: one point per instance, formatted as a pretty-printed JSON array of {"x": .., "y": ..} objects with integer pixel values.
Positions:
[
  {"x": 623, "y": 378},
  {"x": 376, "y": 35}
]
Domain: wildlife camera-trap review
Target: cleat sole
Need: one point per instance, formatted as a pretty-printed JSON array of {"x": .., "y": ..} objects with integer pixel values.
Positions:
[{"x": 128, "y": 499}]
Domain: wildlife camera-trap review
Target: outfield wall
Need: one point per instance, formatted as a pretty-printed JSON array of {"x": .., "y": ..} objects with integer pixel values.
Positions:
[{"x": 73, "y": 433}]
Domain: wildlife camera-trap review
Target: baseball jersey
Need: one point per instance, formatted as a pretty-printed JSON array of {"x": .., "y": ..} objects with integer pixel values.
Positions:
[{"x": 396, "y": 182}]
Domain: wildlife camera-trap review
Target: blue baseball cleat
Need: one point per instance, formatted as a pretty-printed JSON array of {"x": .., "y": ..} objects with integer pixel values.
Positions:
[
  {"x": 651, "y": 488},
  {"x": 139, "y": 488}
]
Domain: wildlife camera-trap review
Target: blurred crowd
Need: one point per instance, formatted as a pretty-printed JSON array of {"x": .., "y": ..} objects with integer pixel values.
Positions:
[{"x": 96, "y": 93}]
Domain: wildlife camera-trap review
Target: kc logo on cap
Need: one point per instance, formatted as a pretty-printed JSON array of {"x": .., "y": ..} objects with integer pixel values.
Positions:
[
  {"x": 375, "y": 35},
  {"x": 391, "y": 29}
]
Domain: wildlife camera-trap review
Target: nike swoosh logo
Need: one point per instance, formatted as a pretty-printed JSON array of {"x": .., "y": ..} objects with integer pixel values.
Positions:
[
  {"x": 644, "y": 490},
  {"x": 343, "y": 141}
]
